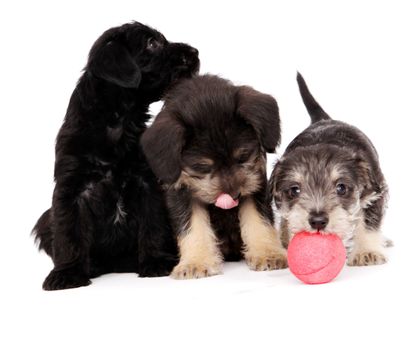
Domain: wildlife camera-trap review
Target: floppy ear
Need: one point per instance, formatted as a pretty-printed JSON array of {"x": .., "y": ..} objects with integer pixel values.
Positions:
[
  {"x": 113, "y": 63},
  {"x": 260, "y": 111},
  {"x": 162, "y": 144},
  {"x": 273, "y": 192},
  {"x": 372, "y": 180}
]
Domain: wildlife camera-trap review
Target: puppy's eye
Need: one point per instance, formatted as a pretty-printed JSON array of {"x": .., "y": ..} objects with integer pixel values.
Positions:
[
  {"x": 202, "y": 168},
  {"x": 152, "y": 44},
  {"x": 294, "y": 191},
  {"x": 341, "y": 189},
  {"x": 243, "y": 157}
]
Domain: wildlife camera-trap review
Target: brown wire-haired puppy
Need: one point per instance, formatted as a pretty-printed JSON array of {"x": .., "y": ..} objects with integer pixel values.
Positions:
[
  {"x": 208, "y": 146},
  {"x": 329, "y": 180}
]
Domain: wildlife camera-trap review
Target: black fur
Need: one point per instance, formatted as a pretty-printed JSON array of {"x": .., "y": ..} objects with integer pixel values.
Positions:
[{"x": 107, "y": 213}]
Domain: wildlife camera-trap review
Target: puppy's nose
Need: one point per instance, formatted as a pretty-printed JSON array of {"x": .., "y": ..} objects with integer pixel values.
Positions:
[
  {"x": 190, "y": 57},
  {"x": 318, "y": 221},
  {"x": 235, "y": 195},
  {"x": 194, "y": 51}
]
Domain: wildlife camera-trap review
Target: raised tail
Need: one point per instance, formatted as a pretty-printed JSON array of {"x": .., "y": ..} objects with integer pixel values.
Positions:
[
  {"x": 314, "y": 109},
  {"x": 43, "y": 233}
]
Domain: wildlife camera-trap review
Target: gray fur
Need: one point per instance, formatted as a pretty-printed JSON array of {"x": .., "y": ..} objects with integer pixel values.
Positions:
[{"x": 326, "y": 154}]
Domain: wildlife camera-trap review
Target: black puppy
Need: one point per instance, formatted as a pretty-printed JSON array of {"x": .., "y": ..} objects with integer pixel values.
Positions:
[
  {"x": 208, "y": 145},
  {"x": 107, "y": 213},
  {"x": 329, "y": 180}
]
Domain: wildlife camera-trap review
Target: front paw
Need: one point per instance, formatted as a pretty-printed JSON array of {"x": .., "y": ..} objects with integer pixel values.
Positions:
[
  {"x": 366, "y": 259},
  {"x": 65, "y": 279},
  {"x": 191, "y": 270},
  {"x": 157, "y": 267},
  {"x": 275, "y": 261}
]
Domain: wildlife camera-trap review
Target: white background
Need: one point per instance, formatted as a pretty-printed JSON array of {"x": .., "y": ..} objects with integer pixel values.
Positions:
[{"x": 359, "y": 59}]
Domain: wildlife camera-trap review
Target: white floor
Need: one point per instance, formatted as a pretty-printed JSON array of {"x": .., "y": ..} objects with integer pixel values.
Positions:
[{"x": 369, "y": 307}]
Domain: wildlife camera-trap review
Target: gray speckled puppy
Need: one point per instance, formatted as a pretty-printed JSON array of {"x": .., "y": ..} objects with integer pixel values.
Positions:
[{"x": 329, "y": 180}]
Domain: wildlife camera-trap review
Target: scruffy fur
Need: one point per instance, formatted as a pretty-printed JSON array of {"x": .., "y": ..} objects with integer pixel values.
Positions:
[
  {"x": 329, "y": 180},
  {"x": 108, "y": 212},
  {"x": 211, "y": 137}
]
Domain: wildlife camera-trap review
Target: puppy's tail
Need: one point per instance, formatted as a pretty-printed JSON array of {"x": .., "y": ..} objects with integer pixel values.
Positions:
[
  {"x": 43, "y": 233},
  {"x": 314, "y": 109}
]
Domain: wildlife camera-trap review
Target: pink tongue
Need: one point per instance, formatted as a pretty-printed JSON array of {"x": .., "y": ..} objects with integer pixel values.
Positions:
[{"x": 225, "y": 201}]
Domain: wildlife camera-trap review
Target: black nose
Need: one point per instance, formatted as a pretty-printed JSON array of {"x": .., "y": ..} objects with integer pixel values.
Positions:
[
  {"x": 194, "y": 51},
  {"x": 318, "y": 221},
  {"x": 190, "y": 57}
]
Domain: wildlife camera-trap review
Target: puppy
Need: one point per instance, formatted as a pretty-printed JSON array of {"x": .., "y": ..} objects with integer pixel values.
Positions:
[
  {"x": 329, "y": 180},
  {"x": 208, "y": 146},
  {"x": 108, "y": 212}
]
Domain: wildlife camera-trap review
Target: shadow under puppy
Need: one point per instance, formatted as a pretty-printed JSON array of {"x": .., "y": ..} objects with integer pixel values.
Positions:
[
  {"x": 329, "y": 180},
  {"x": 108, "y": 213},
  {"x": 208, "y": 146}
]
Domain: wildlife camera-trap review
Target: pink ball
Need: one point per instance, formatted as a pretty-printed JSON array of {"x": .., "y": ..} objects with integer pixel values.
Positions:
[{"x": 316, "y": 258}]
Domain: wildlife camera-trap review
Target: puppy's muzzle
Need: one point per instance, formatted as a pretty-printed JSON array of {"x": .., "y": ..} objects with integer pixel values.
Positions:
[
  {"x": 188, "y": 56},
  {"x": 235, "y": 195},
  {"x": 318, "y": 221}
]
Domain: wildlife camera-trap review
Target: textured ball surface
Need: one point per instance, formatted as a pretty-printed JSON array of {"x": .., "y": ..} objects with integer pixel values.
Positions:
[{"x": 316, "y": 258}]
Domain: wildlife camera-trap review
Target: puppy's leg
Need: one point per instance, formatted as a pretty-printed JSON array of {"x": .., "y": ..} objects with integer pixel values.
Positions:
[
  {"x": 368, "y": 243},
  {"x": 43, "y": 232},
  {"x": 157, "y": 251},
  {"x": 200, "y": 255},
  {"x": 71, "y": 225},
  {"x": 263, "y": 248},
  {"x": 368, "y": 247},
  {"x": 285, "y": 234}
]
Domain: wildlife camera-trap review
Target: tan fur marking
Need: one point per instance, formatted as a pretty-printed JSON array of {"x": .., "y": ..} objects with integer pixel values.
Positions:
[
  {"x": 207, "y": 187},
  {"x": 335, "y": 174},
  {"x": 200, "y": 256},
  {"x": 263, "y": 248}
]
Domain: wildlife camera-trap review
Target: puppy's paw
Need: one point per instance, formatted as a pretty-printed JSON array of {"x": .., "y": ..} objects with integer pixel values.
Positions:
[
  {"x": 366, "y": 259},
  {"x": 189, "y": 271},
  {"x": 157, "y": 267},
  {"x": 269, "y": 262},
  {"x": 65, "y": 279}
]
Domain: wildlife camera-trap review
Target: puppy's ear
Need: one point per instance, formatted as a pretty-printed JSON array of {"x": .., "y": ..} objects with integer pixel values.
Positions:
[
  {"x": 273, "y": 191},
  {"x": 372, "y": 181},
  {"x": 260, "y": 111},
  {"x": 113, "y": 63},
  {"x": 162, "y": 144}
]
